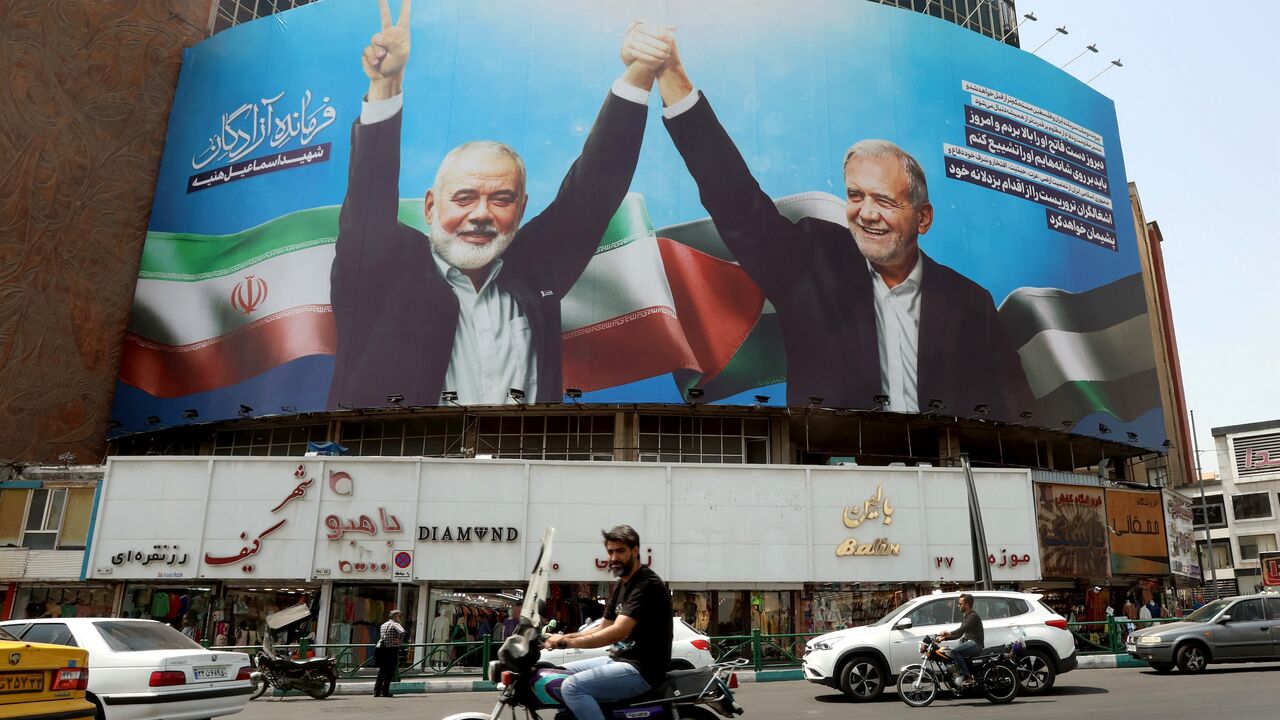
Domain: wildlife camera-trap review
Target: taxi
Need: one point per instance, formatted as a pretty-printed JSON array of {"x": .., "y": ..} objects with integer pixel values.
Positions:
[{"x": 43, "y": 682}]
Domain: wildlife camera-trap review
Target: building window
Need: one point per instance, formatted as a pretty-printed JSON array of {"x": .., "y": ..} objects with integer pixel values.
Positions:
[
  {"x": 695, "y": 439},
  {"x": 550, "y": 437},
  {"x": 1221, "y": 553},
  {"x": 1251, "y": 545},
  {"x": 426, "y": 437},
  {"x": 290, "y": 441},
  {"x": 1252, "y": 506},
  {"x": 1217, "y": 512},
  {"x": 1158, "y": 476},
  {"x": 46, "y": 518}
]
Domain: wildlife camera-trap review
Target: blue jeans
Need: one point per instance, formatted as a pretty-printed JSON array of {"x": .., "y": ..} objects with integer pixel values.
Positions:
[
  {"x": 962, "y": 652},
  {"x": 599, "y": 679}
]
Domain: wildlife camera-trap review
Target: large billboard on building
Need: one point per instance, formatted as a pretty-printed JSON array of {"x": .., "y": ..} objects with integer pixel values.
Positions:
[
  {"x": 1179, "y": 523},
  {"x": 314, "y": 242},
  {"x": 275, "y": 519},
  {"x": 1135, "y": 520},
  {"x": 1072, "y": 523}
]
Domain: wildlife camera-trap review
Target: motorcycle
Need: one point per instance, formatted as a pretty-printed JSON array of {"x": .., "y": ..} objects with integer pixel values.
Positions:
[
  {"x": 524, "y": 682},
  {"x": 995, "y": 674},
  {"x": 317, "y": 677}
]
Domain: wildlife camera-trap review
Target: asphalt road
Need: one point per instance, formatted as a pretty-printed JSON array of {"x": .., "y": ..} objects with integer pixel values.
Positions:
[{"x": 1234, "y": 692}]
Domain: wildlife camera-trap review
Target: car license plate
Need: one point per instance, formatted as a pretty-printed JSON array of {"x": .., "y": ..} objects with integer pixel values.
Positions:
[
  {"x": 211, "y": 673},
  {"x": 1131, "y": 648},
  {"x": 21, "y": 682}
]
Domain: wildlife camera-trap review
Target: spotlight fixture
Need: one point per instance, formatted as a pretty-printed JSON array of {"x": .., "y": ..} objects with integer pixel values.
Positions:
[
  {"x": 190, "y": 414},
  {"x": 1068, "y": 424},
  {"x": 1102, "y": 428},
  {"x": 880, "y": 402},
  {"x": 1167, "y": 443},
  {"x": 245, "y": 410},
  {"x": 345, "y": 406},
  {"x": 516, "y": 394},
  {"x": 395, "y": 399},
  {"x": 449, "y": 396},
  {"x": 982, "y": 409},
  {"x": 1133, "y": 436},
  {"x": 572, "y": 393},
  {"x": 761, "y": 400},
  {"x": 1026, "y": 415},
  {"x": 695, "y": 393},
  {"x": 815, "y": 401},
  {"x": 935, "y": 405},
  {"x": 289, "y": 408},
  {"x": 153, "y": 420}
]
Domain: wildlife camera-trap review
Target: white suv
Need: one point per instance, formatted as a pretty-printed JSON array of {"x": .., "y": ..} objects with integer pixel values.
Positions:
[{"x": 861, "y": 661}]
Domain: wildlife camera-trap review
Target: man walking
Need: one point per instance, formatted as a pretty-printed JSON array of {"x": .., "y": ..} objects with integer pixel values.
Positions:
[{"x": 387, "y": 654}]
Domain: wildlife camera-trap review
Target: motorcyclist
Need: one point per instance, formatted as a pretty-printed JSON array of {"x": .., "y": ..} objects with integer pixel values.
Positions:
[
  {"x": 638, "y": 616},
  {"x": 971, "y": 638}
]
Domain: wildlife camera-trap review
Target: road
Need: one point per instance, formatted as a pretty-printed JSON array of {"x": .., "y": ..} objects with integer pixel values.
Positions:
[{"x": 1238, "y": 692}]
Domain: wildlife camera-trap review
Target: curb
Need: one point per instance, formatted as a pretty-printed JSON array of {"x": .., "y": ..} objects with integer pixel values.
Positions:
[{"x": 471, "y": 684}]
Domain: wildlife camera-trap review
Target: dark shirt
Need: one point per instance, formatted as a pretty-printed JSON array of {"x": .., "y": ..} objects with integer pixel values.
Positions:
[
  {"x": 644, "y": 599},
  {"x": 971, "y": 626}
]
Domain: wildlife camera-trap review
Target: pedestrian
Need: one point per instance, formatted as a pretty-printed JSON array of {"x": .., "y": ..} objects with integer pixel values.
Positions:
[{"x": 387, "y": 653}]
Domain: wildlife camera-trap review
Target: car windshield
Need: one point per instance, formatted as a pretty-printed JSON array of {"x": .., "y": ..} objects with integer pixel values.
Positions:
[
  {"x": 1205, "y": 613},
  {"x": 891, "y": 613},
  {"x": 6, "y": 635},
  {"x": 140, "y": 636}
]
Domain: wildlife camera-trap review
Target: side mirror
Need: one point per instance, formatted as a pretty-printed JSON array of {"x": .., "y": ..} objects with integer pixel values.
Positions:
[
  {"x": 903, "y": 624},
  {"x": 1224, "y": 619}
]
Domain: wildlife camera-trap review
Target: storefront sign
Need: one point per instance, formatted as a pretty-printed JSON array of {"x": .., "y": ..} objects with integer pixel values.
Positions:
[
  {"x": 1072, "y": 525},
  {"x": 1179, "y": 524},
  {"x": 466, "y": 533},
  {"x": 1257, "y": 456},
  {"x": 1136, "y": 525},
  {"x": 876, "y": 506},
  {"x": 166, "y": 554},
  {"x": 877, "y": 547},
  {"x": 1270, "y": 563}
]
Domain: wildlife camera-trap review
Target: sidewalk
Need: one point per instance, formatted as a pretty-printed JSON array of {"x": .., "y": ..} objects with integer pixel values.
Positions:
[{"x": 475, "y": 684}]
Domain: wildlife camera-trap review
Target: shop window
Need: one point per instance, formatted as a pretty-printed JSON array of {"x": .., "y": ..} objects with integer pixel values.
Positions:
[
  {"x": 50, "y": 633},
  {"x": 423, "y": 437},
  {"x": 552, "y": 437},
  {"x": 1217, "y": 513},
  {"x": 1251, "y": 545},
  {"x": 357, "y": 613},
  {"x": 54, "y": 601},
  {"x": 1251, "y": 506},
  {"x": 276, "y": 441},
  {"x": 239, "y": 616},
  {"x": 697, "y": 439},
  {"x": 181, "y": 606}
]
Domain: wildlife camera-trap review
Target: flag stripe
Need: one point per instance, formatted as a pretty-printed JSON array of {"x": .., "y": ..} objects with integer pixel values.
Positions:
[
  {"x": 1028, "y": 311},
  {"x": 170, "y": 371},
  {"x": 641, "y": 344},
  {"x": 1125, "y": 398},
  {"x": 182, "y": 313},
  {"x": 702, "y": 234},
  {"x": 1055, "y": 357},
  {"x": 616, "y": 283},
  {"x": 760, "y": 361}
]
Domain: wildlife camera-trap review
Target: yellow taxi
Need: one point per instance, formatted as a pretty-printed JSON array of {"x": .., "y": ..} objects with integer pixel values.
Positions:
[{"x": 43, "y": 682}]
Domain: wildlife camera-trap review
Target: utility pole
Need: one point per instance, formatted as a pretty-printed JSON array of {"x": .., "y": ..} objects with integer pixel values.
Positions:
[
  {"x": 983, "y": 566},
  {"x": 1204, "y": 510}
]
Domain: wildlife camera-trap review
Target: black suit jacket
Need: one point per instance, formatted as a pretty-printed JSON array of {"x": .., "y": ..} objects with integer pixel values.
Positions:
[
  {"x": 396, "y": 315},
  {"x": 821, "y": 287}
]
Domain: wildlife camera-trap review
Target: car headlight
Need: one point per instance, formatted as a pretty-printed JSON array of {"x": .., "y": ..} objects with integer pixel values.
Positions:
[
  {"x": 820, "y": 646},
  {"x": 1149, "y": 640}
]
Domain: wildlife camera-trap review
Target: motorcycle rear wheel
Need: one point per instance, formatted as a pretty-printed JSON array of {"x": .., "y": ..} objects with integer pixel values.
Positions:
[
  {"x": 260, "y": 686},
  {"x": 1000, "y": 684},
  {"x": 322, "y": 686},
  {"x": 917, "y": 686}
]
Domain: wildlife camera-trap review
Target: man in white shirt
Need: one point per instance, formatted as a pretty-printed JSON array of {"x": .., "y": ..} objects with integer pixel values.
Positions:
[
  {"x": 856, "y": 319},
  {"x": 473, "y": 309}
]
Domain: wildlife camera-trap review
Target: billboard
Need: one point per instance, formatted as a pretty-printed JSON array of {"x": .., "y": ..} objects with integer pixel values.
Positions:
[
  {"x": 1179, "y": 523},
  {"x": 1136, "y": 525},
  {"x": 1072, "y": 524},
  {"x": 320, "y": 240},
  {"x": 1270, "y": 564}
]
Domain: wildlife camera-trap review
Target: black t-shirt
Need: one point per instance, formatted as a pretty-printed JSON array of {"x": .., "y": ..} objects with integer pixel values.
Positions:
[
  {"x": 644, "y": 599},
  {"x": 971, "y": 626}
]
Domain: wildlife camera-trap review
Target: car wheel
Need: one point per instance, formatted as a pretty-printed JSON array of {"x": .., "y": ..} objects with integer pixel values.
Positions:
[
  {"x": 1036, "y": 673},
  {"x": 862, "y": 679},
  {"x": 1162, "y": 667},
  {"x": 1192, "y": 658}
]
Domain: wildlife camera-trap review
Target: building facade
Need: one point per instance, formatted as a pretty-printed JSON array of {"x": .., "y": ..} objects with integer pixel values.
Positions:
[{"x": 1249, "y": 504}]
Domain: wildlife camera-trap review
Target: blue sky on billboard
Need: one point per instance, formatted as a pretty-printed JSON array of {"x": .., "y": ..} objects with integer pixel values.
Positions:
[
  {"x": 1198, "y": 105},
  {"x": 792, "y": 89}
]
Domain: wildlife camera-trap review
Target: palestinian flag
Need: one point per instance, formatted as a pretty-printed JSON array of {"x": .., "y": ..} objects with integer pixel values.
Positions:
[{"x": 1088, "y": 352}]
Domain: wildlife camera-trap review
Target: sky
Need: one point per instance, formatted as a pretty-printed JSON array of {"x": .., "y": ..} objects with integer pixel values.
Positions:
[{"x": 1198, "y": 101}]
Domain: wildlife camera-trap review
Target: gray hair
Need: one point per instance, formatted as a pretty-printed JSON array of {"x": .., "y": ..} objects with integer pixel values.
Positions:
[
  {"x": 624, "y": 534},
  {"x": 491, "y": 146},
  {"x": 917, "y": 186}
]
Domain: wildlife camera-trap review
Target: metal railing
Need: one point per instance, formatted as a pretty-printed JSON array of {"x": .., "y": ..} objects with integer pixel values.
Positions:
[{"x": 1107, "y": 637}]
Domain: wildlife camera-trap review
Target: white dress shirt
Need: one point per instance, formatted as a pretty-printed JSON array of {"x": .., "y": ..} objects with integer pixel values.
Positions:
[
  {"x": 898, "y": 330},
  {"x": 493, "y": 346}
]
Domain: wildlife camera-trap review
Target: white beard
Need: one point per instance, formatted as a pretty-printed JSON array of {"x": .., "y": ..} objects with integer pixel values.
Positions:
[{"x": 465, "y": 255}]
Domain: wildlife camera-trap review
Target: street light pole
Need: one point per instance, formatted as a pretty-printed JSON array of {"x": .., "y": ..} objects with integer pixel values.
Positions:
[{"x": 1204, "y": 511}]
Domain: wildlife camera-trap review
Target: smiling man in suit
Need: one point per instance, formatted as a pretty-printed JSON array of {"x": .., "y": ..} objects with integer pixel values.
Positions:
[
  {"x": 475, "y": 307},
  {"x": 863, "y": 311}
]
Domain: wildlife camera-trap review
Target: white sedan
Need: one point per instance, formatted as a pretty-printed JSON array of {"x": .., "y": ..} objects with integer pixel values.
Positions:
[
  {"x": 689, "y": 648},
  {"x": 146, "y": 670}
]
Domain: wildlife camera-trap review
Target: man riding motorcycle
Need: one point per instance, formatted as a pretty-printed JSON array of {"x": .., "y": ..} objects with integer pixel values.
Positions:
[
  {"x": 637, "y": 617},
  {"x": 971, "y": 641}
]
